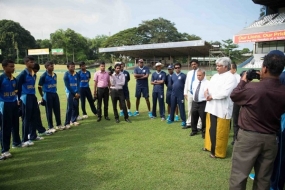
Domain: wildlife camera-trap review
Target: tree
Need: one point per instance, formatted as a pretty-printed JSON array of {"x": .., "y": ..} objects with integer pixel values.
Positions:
[
  {"x": 189, "y": 37},
  {"x": 14, "y": 40},
  {"x": 228, "y": 46},
  {"x": 74, "y": 44},
  {"x": 158, "y": 31},
  {"x": 94, "y": 45},
  {"x": 43, "y": 43}
]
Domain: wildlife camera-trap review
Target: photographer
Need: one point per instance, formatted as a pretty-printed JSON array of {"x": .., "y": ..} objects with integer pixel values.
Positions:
[
  {"x": 259, "y": 121},
  {"x": 117, "y": 81},
  {"x": 101, "y": 91}
]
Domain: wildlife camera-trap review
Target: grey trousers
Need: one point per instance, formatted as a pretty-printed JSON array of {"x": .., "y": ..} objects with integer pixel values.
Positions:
[{"x": 253, "y": 150}]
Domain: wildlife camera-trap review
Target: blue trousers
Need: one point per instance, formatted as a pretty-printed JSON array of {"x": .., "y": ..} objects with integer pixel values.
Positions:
[
  {"x": 30, "y": 117},
  {"x": 9, "y": 123},
  {"x": 52, "y": 105},
  {"x": 175, "y": 100},
  {"x": 72, "y": 110},
  {"x": 160, "y": 97},
  {"x": 85, "y": 93}
]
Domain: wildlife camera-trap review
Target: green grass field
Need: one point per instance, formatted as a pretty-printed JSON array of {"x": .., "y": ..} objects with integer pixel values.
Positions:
[{"x": 146, "y": 154}]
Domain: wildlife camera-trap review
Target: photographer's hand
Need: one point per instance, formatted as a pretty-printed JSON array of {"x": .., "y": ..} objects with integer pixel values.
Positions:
[{"x": 244, "y": 77}]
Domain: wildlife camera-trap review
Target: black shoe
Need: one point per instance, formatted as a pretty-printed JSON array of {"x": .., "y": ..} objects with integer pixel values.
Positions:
[
  {"x": 117, "y": 121},
  {"x": 107, "y": 118},
  {"x": 127, "y": 120},
  {"x": 185, "y": 127},
  {"x": 233, "y": 143},
  {"x": 199, "y": 130},
  {"x": 193, "y": 133},
  {"x": 99, "y": 119}
]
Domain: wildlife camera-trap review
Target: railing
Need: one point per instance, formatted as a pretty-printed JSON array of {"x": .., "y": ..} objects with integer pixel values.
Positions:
[{"x": 245, "y": 62}]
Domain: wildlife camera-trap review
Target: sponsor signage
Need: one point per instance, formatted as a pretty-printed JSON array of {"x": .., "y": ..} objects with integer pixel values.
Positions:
[
  {"x": 44, "y": 51},
  {"x": 57, "y": 51},
  {"x": 260, "y": 37}
]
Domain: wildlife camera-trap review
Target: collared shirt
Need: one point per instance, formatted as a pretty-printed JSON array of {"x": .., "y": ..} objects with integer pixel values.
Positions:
[
  {"x": 102, "y": 79},
  {"x": 189, "y": 80},
  {"x": 48, "y": 82},
  {"x": 203, "y": 87},
  {"x": 71, "y": 82},
  {"x": 142, "y": 83},
  {"x": 220, "y": 87},
  {"x": 26, "y": 84},
  {"x": 84, "y": 78},
  {"x": 127, "y": 79},
  {"x": 262, "y": 103},
  {"x": 158, "y": 76},
  {"x": 237, "y": 76},
  {"x": 8, "y": 88},
  {"x": 178, "y": 82},
  {"x": 117, "y": 81}
]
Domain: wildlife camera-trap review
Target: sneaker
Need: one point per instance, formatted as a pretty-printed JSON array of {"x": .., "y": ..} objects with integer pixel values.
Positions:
[
  {"x": 74, "y": 123},
  {"x": 52, "y": 130},
  {"x": 176, "y": 118},
  {"x": 121, "y": 113},
  {"x": 168, "y": 118},
  {"x": 251, "y": 176},
  {"x": 84, "y": 116},
  {"x": 136, "y": 113},
  {"x": 20, "y": 145},
  {"x": 183, "y": 124},
  {"x": 162, "y": 119},
  {"x": 79, "y": 118},
  {"x": 28, "y": 143},
  {"x": 38, "y": 138},
  {"x": 130, "y": 113},
  {"x": 46, "y": 133},
  {"x": 60, "y": 127},
  {"x": 169, "y": 122},
  {"x": 150, "y": 114},
  {"x": 67, "y": 127},
  {"x": 7, "y": 154},
  {"x": 2, "y": 158}
]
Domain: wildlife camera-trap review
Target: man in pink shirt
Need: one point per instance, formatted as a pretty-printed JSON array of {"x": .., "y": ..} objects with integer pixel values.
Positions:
[{"x": 101, "y": 90}]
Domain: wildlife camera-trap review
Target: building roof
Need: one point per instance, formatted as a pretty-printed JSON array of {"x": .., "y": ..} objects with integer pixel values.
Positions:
[{"x": 184, "y": 48}]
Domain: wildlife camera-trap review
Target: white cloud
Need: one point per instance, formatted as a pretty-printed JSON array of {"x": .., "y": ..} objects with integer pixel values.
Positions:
[{"x": 87, "y": 17}]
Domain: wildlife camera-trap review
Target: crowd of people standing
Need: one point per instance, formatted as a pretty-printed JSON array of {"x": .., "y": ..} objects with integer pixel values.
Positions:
[{"x": 211, "y": 105}]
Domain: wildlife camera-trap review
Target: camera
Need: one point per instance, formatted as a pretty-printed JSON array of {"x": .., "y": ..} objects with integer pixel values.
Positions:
[
  {"x": 111, "y": 70},
  {"x": 251, "y": 74}
]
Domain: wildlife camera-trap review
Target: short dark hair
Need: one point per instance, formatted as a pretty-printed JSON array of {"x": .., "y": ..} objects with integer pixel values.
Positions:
[
  {"x": 36, "y": 67},
  {"x": 69, "y": 63},
  {"x": 194, "y": 60},
  {"x": 234, "y": 66},
  {"x": 81, "y": 63},
  {"x": 274, "y": 63},
  {"x": 29, "y": 58},
  {"x": 118, "y": 65},
  {"x": 102, "y": 63},
  {"x": 179, "y": 64},
  {"x": 48, "y": 63},
  {"x": 6, "y": 62}
]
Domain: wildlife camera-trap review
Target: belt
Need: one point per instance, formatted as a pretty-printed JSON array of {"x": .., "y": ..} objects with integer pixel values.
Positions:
[
  {"x": 117, "y": 89},
  {"x": 200, "y": 102},
  {"x": 257, "y": 132},
  {"x": 102, "y": 87}
]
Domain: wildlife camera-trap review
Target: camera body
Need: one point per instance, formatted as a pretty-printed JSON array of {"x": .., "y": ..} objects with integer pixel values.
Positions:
[
  {"x": 111, "y": 70},
  {"x": 251, "y": 74}
]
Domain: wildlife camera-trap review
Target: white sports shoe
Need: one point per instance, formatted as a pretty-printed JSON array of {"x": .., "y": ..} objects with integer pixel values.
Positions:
[
  {"x": 85, "y": 116},
  {"x": 60, "y": 127},
  {"x": 79, "y": 118},
  {"x": 7, "y": 154},
  {"x": 67, "y": 126},
  {"x": 28, "y": 143},
  {"x": 52, "y": 130},
  {"x": 74, "y": 123}
]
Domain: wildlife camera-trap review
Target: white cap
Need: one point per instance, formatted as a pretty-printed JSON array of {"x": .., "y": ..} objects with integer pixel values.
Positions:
[{"x": 158, "y": 64}]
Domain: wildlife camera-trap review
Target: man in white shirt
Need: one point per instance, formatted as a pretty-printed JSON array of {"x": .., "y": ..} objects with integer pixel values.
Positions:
[
  {"x": 199, "y": 103},
  {"x": 219, "y": 109},
  {"x": 117, "y": 80},
  {"x": 188, "y": 94},
  {"x": 236, "y": 107}
]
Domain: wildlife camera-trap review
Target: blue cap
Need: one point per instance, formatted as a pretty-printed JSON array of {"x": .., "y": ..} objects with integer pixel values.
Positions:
[
  {"x": 276, "y": 52},
  {"x": 170, "y": 67}
]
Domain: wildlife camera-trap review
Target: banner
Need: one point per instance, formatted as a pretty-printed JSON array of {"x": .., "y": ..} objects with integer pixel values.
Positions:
[
  {"x": 38, "y": 51},
  {"x": 260, "y": 37},
  {"x": 57, "y": 51}
]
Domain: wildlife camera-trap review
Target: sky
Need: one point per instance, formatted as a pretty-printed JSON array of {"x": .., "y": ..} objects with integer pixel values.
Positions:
[{"x": 212, "y": 20}]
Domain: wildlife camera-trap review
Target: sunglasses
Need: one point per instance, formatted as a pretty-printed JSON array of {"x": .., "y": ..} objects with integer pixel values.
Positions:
[{"x": 176, "y": 67}]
